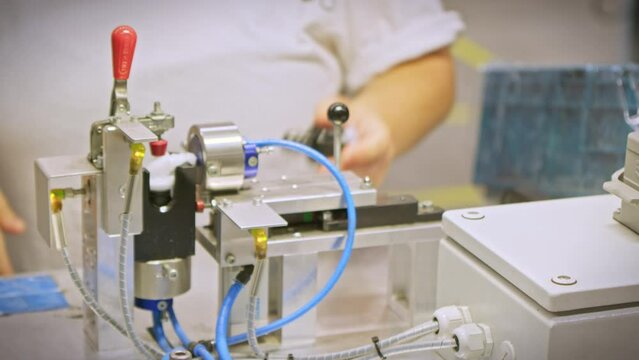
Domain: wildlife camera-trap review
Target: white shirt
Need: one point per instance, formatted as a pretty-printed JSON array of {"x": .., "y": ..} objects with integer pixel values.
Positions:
[{"x": 260, "y": 65}]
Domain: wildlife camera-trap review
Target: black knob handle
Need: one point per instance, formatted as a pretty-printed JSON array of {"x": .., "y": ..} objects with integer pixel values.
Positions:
[{"x": 338, "y": 113}]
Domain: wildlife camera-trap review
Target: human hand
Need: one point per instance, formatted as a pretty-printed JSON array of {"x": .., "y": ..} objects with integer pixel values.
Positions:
[
  {"x": 371, "y": 152},
  {"x": 10, "y": 223}
]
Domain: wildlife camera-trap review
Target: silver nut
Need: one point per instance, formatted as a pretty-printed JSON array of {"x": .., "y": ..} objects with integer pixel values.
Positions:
[{"x": 230, "y": 259}]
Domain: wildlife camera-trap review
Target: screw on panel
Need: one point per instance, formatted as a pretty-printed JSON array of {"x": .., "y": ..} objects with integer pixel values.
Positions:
[
  {"x": 257, "y": 201},
  {"x": 230, "y": 258},
  {"x": 473, "y": 215},
  {"x": 162, "y": 305},
  {"x": 297, "y": 234},
  {"x": 226, "y": 202},
  {"x": 564, "y": 280},
  {"x": 366, "y": 183},
  {"x": 425, "y": 206},
  {"x": 506, "y": 351}
]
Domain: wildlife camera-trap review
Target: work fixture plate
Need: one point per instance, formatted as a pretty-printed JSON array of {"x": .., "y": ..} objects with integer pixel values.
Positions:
[
  {"x": 309, "y": 193},
  {"x": 565, "y": 254}
]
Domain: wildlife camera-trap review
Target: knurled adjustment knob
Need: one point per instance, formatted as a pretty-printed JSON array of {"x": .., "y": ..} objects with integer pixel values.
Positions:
[{"x": 338, "y": 113}]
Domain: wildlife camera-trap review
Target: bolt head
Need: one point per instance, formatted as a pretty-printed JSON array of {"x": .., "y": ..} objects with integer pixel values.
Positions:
[
  {"x": 230, "y": 258},
  {"x": 162, "y": 305},
  {"x": 366, "y": 183},
  {"x": 173, "y": 274}
]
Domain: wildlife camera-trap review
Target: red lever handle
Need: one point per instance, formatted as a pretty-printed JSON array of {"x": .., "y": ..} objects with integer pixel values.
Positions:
[{"x": 123, "y": 40}]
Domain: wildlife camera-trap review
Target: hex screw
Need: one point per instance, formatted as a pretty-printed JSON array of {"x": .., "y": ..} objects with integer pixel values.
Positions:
[{"x": 367, "y": 183}]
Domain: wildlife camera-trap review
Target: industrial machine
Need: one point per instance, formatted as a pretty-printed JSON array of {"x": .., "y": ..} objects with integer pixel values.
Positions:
[{"x": 139, "y": 234}]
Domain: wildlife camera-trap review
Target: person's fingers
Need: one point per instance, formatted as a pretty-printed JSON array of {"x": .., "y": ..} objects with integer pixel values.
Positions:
[
  {"x": 9, "y": 221},
  {"x": 6, "y": 269},
  {"x": 373, "y": 144}
]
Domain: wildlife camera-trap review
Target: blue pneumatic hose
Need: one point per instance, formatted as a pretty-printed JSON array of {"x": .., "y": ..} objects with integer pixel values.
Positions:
[
  {"x": 199, "y": 349},
  {"x": 221, "y": 327},
  {"x": 346, "y": 254},
  {"x": 158, "y": 331}
]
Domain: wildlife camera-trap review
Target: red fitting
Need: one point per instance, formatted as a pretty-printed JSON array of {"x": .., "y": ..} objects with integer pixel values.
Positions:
[
  {"x": 158, "y": 147},
  {"x": 199, "y": 205}
]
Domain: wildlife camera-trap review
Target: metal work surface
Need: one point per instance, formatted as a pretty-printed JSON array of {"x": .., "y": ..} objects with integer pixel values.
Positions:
[
  {"x": 552, "y": 250},
  {"x": 314, "y": 192},
  {"x": 252, "y": 215}
]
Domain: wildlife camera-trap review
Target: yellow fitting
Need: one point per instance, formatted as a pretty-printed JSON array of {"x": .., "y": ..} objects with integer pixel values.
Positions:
[
  {"x": 137, "y": 155},
  {"x": 55, "y": 198},
  {"x": 261, "y": 242}
]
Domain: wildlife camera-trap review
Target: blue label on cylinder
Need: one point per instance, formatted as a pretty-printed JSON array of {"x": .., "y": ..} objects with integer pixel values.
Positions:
[{"x": 251, "y": 161}]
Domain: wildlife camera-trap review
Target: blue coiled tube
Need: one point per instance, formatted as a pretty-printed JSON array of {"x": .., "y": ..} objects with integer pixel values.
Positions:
[
  {"x": 346, "y": 254},
  {"x": 221, "y": 327}
]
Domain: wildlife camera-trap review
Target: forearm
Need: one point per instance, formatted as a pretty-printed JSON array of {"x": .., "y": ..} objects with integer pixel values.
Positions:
[{"x": 411, "y": 98}]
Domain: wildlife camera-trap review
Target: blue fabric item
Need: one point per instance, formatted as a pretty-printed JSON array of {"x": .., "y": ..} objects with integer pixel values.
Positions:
[
  {"x": 26, "y": 294},
  {"x": 554, "y": 131}
]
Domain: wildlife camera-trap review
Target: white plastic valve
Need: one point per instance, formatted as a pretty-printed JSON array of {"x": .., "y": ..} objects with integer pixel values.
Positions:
[
  {"x": 474, "y": 341},
  {"x": 451, "y": 317},
  {"x": 162, "y": 170}
]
